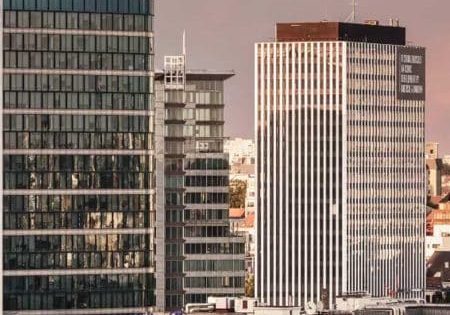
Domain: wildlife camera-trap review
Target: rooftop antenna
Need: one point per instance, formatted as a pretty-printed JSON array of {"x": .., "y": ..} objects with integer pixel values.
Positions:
[
  {"x": 184, "y": 43},
  {"x": 352, "y": 16}
]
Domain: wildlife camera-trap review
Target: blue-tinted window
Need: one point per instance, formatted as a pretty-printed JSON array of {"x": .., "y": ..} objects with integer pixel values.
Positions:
[
  {"x": 112, "y": 6},
  {"x": 102, "y": 5},
  {"x": 144, "y": 6},
  {"x": 6, "y": 4},
  {"x": 78, "y": 5},
  {"x": 66, "y": 5},
  {"x": 89, "y": 5},
  {"x": 30, "y": 4},
  {"x": 134, "y": 6},
  {"x": 17, "y": 5},
  {"x": 55, "y": 5},
  {"x": 123, "y": 6},
  {"x": 42, "y": 4}
]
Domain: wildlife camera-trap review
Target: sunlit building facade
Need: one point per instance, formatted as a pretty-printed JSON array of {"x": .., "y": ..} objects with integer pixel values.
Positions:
[
  {"x": 198, "y": 256},
  {"x": 341, "y": 188},
  {"x": 77, "y": 171}
]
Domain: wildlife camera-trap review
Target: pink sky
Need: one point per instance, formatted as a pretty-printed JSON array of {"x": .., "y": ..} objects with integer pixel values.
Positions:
[{"x": 221, "y": 35}]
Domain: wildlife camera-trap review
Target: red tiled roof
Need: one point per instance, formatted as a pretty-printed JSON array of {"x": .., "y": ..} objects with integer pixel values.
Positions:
[
  {"x": 236, "y": 213},
  {"x": 249, "y": 220}
]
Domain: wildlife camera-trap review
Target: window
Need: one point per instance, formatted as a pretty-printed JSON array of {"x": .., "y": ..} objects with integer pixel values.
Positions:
[
  {"x": 128, "y": 22},
  {"x": 60, "y": 20},
  {"x": 72, "y": 20},
  {"x": 23, "y": 60},
  {"x": 10, "y": 59},
  {"x": 23, "y": 19},
  {"x": 17, "y": 41},
  {"x": 84, "y": 20},
  {"x": 118, "y": 22},
  {"x": 30, "y": 41},
  {"x": 10, "y": 19},
  {"x": 139, "y": 23},
  {"x": 48, "y": 20},
  {"x": 36, "y": 19},
  {"x": 54, "y": 42},
  {"x": 107, "y": 21},
  {"x": 96, "y": 22}
]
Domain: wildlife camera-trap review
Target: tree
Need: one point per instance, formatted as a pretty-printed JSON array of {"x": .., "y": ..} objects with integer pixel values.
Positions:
[
  {"x": 238, "y": 190},
  {"x": 250, "y": 286}
]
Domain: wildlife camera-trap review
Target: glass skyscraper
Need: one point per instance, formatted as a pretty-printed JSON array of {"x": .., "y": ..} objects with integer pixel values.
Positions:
[{"x": 77, "y": 171}]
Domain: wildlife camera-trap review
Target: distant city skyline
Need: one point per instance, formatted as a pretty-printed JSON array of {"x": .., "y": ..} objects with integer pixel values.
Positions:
[{"x": 221, "y": 35}]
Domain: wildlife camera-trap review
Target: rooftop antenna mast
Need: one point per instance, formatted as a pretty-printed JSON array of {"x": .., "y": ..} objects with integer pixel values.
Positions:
[
  {"x": 352, "y": 17},
  {"x": 184, "y": 43}
]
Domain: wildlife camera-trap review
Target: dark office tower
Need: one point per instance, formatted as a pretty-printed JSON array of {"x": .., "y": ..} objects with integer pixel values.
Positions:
[
  {"x": 77, "y": 157},
  {"x": 197, "y": 255},
  {"x": 340, "y": 132}
]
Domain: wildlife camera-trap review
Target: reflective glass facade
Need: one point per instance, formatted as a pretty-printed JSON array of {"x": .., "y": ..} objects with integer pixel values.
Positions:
[
  {"x": 78, "y": 204},
  {"x": 201, "y": 257}
]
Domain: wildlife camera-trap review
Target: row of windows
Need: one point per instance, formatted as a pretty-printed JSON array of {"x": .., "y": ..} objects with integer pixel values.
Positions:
[
  {"x": 178, "y": 147},
  {"x": 213, "y": 265},
  {"x": 122, "y": 6},
  {"x": 174, "y": 250},
  {"x": 81, "y": 291},
  {"x": 175, "y": 300},
  {"x": 76, "y": 83},
  {"x": 385, "y": 123},
  {"x": 174, "y": 284},
  {"x": 77, "y": 43},
  {"x": 75, "y": 220},
  {"x": 67, "y": 140},
  {"x": 179, "y": 113},
  {"x": 201, "y": 114},
  {"x": 352, "y": 108},
  {"x": 94, "y": 180},
  {"x": 174, "y": 233},
  {"x": 108, "y": 260},
  {"x": 66, "y": 203},
  {"x": 174, "y": 182},
  {"x": 73, "y": 20},
  {"x": 214, "y": 282},
  {"x": 84, "y": 61},
  {"x": 73, "y": 163},
  {"x": 197, "y": 298},
  {"x": 203, "y": 131},
  {"x": 176, "y": 198},
  {"x": 74, "y": 123},
  {"x": 205, "y": 214},
  {"x": 75, "y": 243},
  {"x": 74, "y": 299},
  {"x": 176, "y": 215},
  {"x": 78, "y": 283},
  {"x": 206, "y": 198},
  {"x": 197, "y": 97},
  {"x": 206, "y": 181},
  {"x": 205, "y": 164},
  {"x": 206, "y": 131},
  {"x": 111, "y": 101},
  {"x": 214, "y": 248},
  {"x": 206, "y": 231}
]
